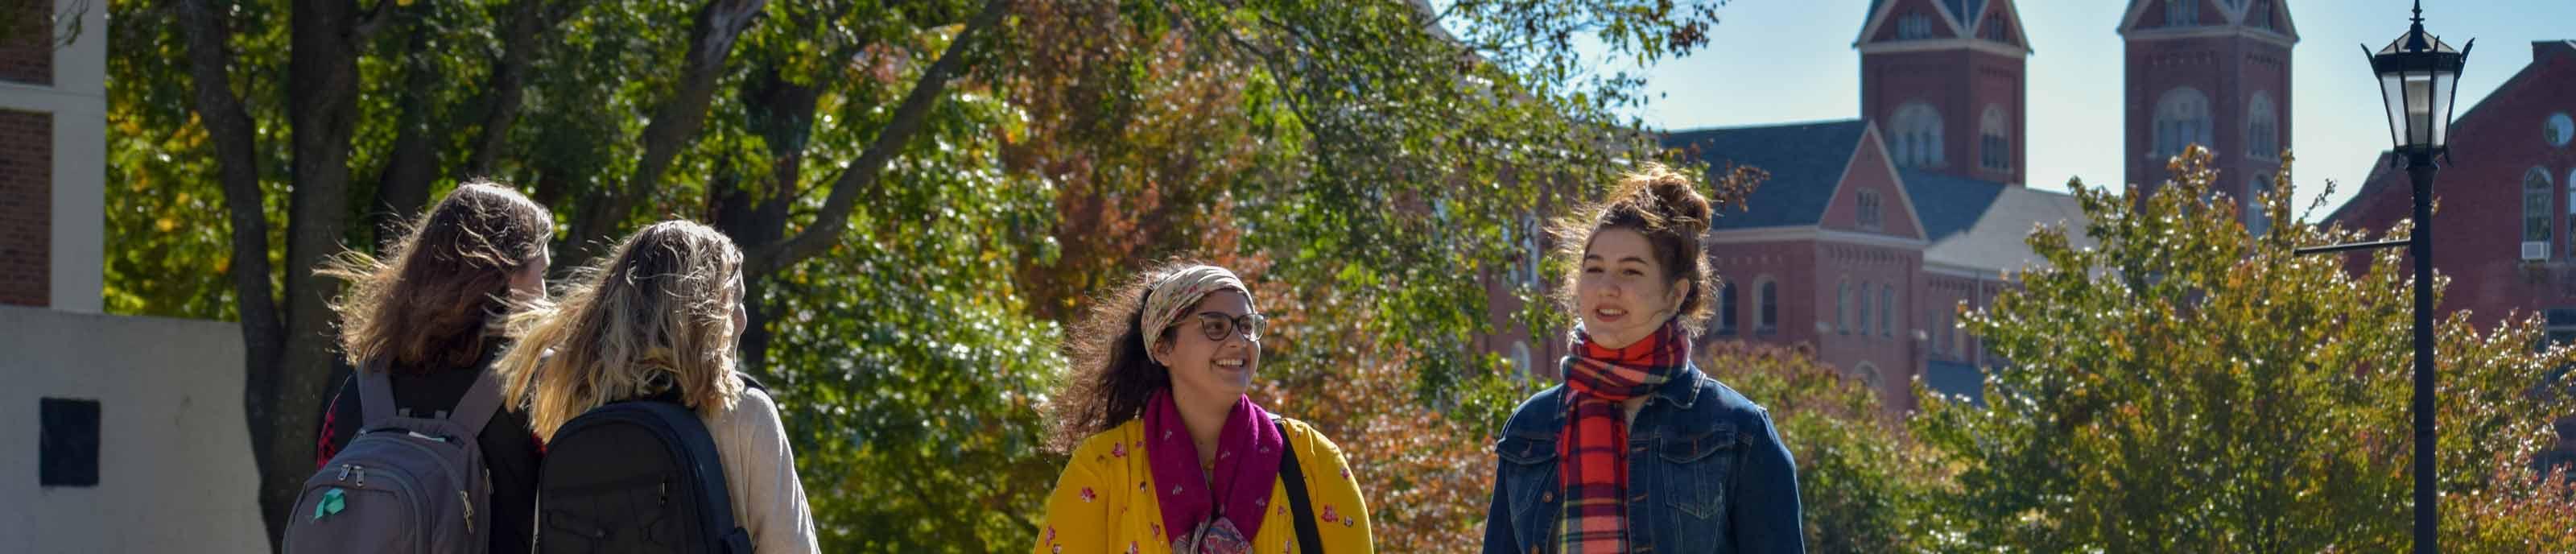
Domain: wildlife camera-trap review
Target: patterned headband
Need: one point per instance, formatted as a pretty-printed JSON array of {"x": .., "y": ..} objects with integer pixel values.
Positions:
[{"x": 1180, "y": 290}]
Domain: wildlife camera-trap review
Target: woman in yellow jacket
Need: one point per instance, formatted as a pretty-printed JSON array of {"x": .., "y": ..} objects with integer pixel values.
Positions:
[{"x": 1169, "y": 455}]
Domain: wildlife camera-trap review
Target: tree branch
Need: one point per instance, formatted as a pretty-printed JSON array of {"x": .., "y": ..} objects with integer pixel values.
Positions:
[
  {"x": 862, "y": 174},
  {"x": 529, "y": 20},
  {"x": 371, "y": 21},
  {"x": 676, "y": 120}
]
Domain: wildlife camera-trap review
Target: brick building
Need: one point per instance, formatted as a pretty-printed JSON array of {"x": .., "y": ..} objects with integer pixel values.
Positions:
[
  {"x": 99, "y": 406},
  {"x": 53, "y": 146},
  {"x": 2210, "y": 72},
  {"x": 1873, "y": 232},
  {"x": 2506, "y": 231}
]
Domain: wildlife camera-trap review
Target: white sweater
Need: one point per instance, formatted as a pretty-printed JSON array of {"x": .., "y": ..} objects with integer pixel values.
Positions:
[{"x": 760, "y": 473}]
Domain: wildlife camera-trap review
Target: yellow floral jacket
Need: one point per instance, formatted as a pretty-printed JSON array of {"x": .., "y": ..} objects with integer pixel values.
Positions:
[{"x": 1101, "y": 505}]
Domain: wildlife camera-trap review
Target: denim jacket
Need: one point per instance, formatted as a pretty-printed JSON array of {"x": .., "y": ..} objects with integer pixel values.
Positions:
[{"x": 1706, "y": 475}]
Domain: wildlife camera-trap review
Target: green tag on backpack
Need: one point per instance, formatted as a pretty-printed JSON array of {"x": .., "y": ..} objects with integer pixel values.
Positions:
[{"x": 332, "y": 502}]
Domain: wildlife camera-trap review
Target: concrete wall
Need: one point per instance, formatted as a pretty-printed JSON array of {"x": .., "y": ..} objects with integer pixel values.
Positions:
[{"x": 174, "y": 457}]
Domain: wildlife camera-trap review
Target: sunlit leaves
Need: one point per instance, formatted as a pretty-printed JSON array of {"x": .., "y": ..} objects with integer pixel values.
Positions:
[{"x": 2181, "y": 385}]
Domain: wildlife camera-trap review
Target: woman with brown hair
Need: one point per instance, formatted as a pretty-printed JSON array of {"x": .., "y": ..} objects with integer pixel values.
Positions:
[
  {"x": 1169, "y": 454},
  {"x": 427, "y": 315},
  {"x": 1638, "y": 451}
]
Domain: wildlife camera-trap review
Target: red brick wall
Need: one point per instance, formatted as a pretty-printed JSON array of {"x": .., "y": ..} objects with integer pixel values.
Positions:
[
  {"x": 1867, "y": 170},
  {"x": 2229, "y": 70},
  {"x": 1958, "y": 83},
  {"x": 1790, "y": 264},
  {"x": 2477, "y": 235},
  {"x": 30, "y": 57},
  {"x": 26, "y": 206}
]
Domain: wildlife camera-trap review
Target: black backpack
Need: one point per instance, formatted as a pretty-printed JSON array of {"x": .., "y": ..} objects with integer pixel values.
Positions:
[{"x": 640, "y": 476}]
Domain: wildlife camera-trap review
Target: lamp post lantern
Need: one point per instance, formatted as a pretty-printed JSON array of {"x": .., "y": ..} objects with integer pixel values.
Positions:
[{"x": 2419, "y": 80}]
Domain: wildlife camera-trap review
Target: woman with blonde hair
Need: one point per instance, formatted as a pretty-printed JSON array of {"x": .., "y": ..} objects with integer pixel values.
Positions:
[
  {"x": 1638, "y": 451},
  {"x": 1169, "y": 455},
  {"x": 658, "y": 319},
  {"x": 421, "y": 324}
]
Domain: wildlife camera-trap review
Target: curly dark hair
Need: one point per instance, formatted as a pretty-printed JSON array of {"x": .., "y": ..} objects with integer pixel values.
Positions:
[
  {"x": 1665, "y": 206},
  {"x": 1112, "y": 374}
]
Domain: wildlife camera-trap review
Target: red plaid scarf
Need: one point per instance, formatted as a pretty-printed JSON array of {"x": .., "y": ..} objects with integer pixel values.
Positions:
[{"x": 1593, "y": 453}]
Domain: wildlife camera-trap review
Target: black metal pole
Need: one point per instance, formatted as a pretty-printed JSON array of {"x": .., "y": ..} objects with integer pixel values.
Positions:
[{"x": 2420, "y": 168}]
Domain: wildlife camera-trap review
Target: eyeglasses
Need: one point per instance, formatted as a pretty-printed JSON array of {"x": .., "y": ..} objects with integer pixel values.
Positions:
[{"x": 1217, "y": 327}]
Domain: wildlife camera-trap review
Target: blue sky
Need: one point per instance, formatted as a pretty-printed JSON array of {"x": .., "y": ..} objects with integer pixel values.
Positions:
[{"x": 1777, "y": 61}]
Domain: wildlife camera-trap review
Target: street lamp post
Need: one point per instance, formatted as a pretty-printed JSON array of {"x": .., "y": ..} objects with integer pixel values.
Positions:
[{"x": 2419, "y": 79}]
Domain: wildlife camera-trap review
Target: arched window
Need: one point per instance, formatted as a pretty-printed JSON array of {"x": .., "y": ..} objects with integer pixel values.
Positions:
[
  {"x": 2182, "y": 119},
  {"x": 1842, "y": 307},
  {"x": 1994, "y": 140},
  {"x": 1860, "y": 300},
  {"x": 1726, "y": 308},
  {"x": 2256, "y": 221},
  {"x": 1886, "y": 310},
  {"x": 1769, "y": 306},
  {"x": 2262, "y": 127},
  {"x": 1917, "y": 128},
  {"x": 1521, "y": 358},
  {"x": 2536, "y": 194},
  {"x": 2182, "y": 13},
  {"x": 1958, "y": 338},
  {"x": 1869, "y": 376}
]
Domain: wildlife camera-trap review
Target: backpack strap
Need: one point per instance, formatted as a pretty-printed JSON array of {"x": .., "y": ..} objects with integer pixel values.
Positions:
[
  {"x": 480, "y": 401},
  {"x": 1309, "y": 540},
  {"x": 376, "y": 398},
  {"x": 375, "y": 393}
]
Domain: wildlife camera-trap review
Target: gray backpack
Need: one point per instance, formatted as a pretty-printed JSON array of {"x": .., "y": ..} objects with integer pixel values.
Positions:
[{"x": 406, "y": 483}]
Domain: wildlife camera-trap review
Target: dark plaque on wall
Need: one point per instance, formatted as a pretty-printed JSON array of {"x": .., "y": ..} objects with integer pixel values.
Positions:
[{"x": 67, "y": 443}]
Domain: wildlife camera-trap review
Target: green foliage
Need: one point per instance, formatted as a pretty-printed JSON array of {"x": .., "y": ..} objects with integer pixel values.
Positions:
[
  {"x": 1371, "y": 173},
  {"x": 913, "y": 375},
  {"x": 1865, "y": 485},
  {"x": 2183, "y": 386}
]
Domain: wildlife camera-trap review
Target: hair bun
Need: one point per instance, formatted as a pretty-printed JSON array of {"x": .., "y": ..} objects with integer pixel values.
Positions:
[{"x": 1677, "y": 199}]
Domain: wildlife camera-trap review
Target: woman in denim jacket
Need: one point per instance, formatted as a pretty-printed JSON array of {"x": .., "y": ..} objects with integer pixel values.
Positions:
[{"x": 1638, "y": 451}]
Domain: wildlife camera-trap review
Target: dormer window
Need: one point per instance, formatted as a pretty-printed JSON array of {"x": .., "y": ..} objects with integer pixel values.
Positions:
[
  {"x": 1870, "y": 217},
  {"x": 1914, "y": 27},
  {"x": 2182, "y": 13}
]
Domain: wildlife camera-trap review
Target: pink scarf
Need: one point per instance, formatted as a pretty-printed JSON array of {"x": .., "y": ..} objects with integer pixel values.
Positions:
[{"x": 1247, "y": 462}]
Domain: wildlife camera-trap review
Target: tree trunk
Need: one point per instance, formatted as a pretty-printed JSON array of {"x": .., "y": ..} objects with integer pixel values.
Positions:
[
  {"x": 782, "y": 113},
  {"x": 673, "y": 124},
  {"x": 413, "y": 164},
  {"x": 322, "y": 73},
  {"x": 229, "y": 127},
  {"x": 527, "y": 21}
]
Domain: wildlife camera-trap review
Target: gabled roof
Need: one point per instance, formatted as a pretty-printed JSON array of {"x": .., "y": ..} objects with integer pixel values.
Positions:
[
  {"x": 1963, "y": 18},
  {"x": 1961, "y": 12},
  {"x": 1997, "y": 239},
  {"x": 2234, "y": 17},
  {"x": 1805, "y": 160},
  {"x": 1949, "y": 204}
]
